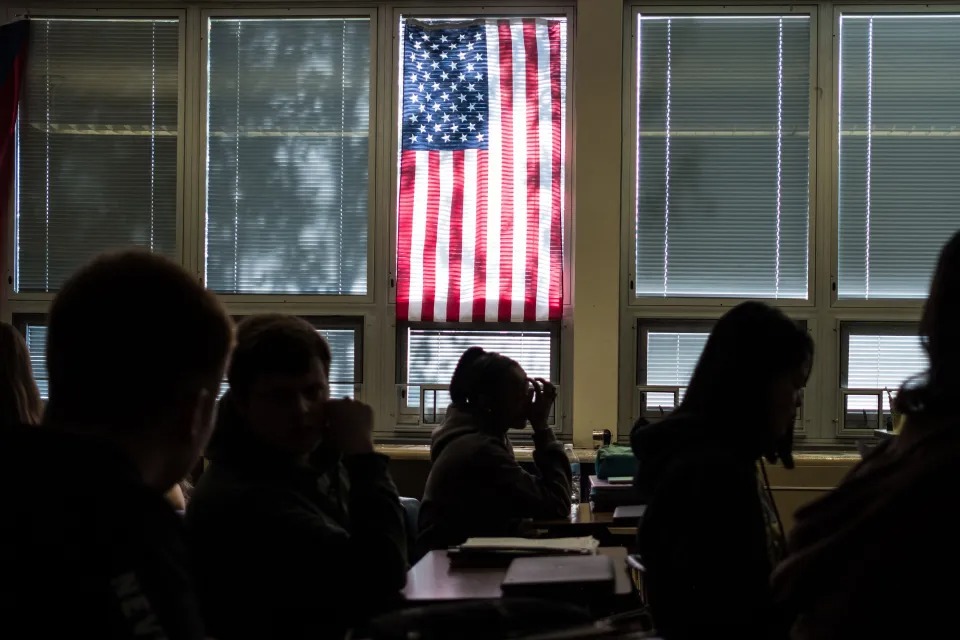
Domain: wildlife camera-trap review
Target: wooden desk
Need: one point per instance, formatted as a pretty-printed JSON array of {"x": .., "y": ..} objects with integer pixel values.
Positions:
[
  {"x": 434, "y": 580},
  {"x": 583, "y": 522}
]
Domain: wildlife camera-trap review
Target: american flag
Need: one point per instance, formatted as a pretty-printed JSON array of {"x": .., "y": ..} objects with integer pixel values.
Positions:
[{"x": 481, "y": 192}]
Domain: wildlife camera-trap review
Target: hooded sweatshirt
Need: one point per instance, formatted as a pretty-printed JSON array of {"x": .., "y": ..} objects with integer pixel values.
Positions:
[
  {"x": 87, "y": 549},
  {"x": 476, "y": 486},
  {"x": 284, "y": 550},
  {"x": 877, "y": 557},
  {"x": 705, "y": 539}
]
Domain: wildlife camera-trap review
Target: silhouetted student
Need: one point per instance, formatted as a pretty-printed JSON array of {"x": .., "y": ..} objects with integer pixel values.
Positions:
[
  {"x": 476, "y": 487},
  {"x": 20, "y": 402},
  {"x": 296, "y": 526},
  {"x": 135, "y": 352},
  {"x": 878, "y": 557},
  {"x": 710, "y": 537}
]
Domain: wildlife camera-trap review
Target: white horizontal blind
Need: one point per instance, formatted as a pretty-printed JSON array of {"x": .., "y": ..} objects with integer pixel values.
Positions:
[
  {"x": 671, "y": 358},
  {"x": 899, "y": 151},
  {"x": 432, "y": 355},
  {"x": 343, "y": 369},
  {"x": 878, "y": 362},
  {"x": 97, "y": 144},
  {"x": 288, "y": 125},
  {"x": 36, "y": 336},
  {"x": 723, "y": 144},
  {"x": 343, "y": 363}
]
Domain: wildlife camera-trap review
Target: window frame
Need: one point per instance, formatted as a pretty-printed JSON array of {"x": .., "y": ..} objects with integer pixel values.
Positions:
[
  {"x": 8, "y": 294},
  {"x": 391, "y": 64},
  {"x": 641, "y": 326},
  {"x": 394, "y": 66},
  {"x": 199, "y": 174},
  {"x": 838, "y": 10},
  {"x": 408, "y": 420},
  {"x": 868, "y": 327},
  {"x": 630, "y": 84}
]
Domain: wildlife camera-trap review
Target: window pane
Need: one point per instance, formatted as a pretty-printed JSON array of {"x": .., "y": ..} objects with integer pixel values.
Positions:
[
  {"x": 671, "y": 359},
  {"x": 899, "y": 152},
  {"x": 97, "y": 144},
  {"x": 723, "y": 156},
  {"x": 481, "y": 170},
  {"x": 881, "y": 362},
  {"x": 36, "y": 335},
  {"x": 288, "y": 123},
  {"x": 432, "y": 354},
  {"x": 342, "y": 365}
]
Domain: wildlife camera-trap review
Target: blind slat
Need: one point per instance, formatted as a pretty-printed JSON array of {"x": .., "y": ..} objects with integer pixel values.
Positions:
[
  {"x": 723, "y": 156},
  {"x": 899, "y": 151},
  {"x": 287, "y": 156},
  {"x": 97, "y": 144}
]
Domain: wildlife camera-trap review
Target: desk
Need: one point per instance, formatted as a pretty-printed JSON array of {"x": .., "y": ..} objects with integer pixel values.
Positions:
[
  {"x": 434, "y": 580},
  {"x": 583, "y": 522}
]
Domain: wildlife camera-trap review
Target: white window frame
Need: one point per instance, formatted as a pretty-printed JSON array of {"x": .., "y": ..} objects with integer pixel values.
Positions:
[
  {"x": 629, "y": 156},
  {"x": 846, "y": 329},
  {"x": 824, "y": 313},
  {"x": 411, "y": 421},
  {"x": 27, "y": 299},
  {"x": 881, "y": 306},
  {"x": 391, "y": 62},
  {"x": 200, "y": 173}
]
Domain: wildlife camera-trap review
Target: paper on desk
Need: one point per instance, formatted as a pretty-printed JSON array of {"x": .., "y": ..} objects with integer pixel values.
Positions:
[{"x": 585, "y": 545}]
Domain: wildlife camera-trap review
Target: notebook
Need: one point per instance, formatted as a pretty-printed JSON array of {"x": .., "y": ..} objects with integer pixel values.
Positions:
[
  {"x": 560, "y": 577},
  {"x": 629, "y": 514},
  {"x": 500, "y": 552},
  {"x": 582, "y": 545}
]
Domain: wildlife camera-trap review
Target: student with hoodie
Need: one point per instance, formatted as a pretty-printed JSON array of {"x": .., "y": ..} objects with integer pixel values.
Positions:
[
  {"x": 710, "y": 537},
  {"x": 476, "y": 486},
  {"x": 296, "y": 527},
  {"x": 878, "y": 557}
]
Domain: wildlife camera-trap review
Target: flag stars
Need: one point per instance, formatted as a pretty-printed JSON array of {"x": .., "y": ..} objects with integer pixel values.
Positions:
[
  {"x": 434, "y": 47},
  {"x": 443, "y": 55},
  {"x": 424, "y": 37},
  {"x": 446, "y": 137},
  {"x": 423, "y": 128},
  {"x": 461, "y": 55},
  {"x": 443, "y": 39},
  {"x": 413, "y": 139},
  {"x": 434, "y": 65},
  {"x": 444, "y": 75},
  {"x": 437, "y": 128},
  {"x": 478, "y": 57},
  {"x": 414, "y": 98},
  {"x": 462, "y": 37},
  {"x": 480, "y": 137},
  {"x": 462, "y": 98},
  {"x": 436, "y": 106},
  {"x": 463, "y": 137},
  {"x": 429, "y": 137},
  {"x": 471, "y": 126},
  {"x": 444, "y": 97},
  {"x": 429, "y": 116},
  {"x": 446, "y": 117}
]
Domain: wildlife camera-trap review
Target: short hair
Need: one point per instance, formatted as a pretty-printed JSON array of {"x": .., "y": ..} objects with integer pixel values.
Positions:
[
  {"x": 750, "y": 345},
  {"x": 274, "y": 344},
  {"x": 129, "y": 333},
  {"x": 20, "y": 401},
  {"x": 478, "y": 373}
]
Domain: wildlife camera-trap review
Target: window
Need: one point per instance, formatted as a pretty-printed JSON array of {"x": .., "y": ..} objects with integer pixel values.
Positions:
[
  {"x": 481, "y": 198},
  {"x": 36, "y": 338},
  {"x": 433, "y": 353},
  {"x": 723, "y": 147},
  {"x": 97, "y": 144},
  {"x": 878, "y": 358},
  {"x": 345, "y": 366},
  {"x": 288, "y": 140},
  {"x": 899, "y": 153},
  {"x": 481, "y": 170},
  {"x": 669, "y": 356}
]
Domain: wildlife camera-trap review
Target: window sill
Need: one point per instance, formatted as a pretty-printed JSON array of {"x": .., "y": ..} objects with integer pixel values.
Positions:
[{"x": 422, "y": 452}]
